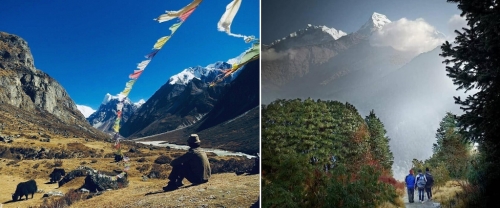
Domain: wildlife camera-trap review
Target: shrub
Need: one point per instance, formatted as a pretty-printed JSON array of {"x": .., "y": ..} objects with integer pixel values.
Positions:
[
  {"x": 13, "y": 162},
  {"x": 93, "y": 161},
  {"x": 36, "y": 166},
  {"x": 142, "y": 159},
  {"x": 143, "y": 168},
  {"x": 71, "y": 197},
  {"x": 158, "y": 171},
  {"x": 163, "y": 159},
  {"x": 231, "y": 165}
]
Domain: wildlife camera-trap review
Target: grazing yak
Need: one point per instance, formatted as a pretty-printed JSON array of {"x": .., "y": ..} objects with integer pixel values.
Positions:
[
  {"x": 23, "y": 189},
  {"x": 56, "y": 175}
]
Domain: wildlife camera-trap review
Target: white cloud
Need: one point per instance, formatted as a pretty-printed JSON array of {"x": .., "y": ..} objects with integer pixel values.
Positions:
[
  {"x": 456, "y": 22},
  {"x": 271, "y": 55},
  {"x": 408, "y": 35},
  {"x": 86, "y": 110}
]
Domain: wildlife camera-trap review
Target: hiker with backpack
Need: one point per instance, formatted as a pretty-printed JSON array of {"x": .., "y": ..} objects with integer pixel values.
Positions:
[
  {"x": 420, "y": 182},
  {"x": 410, "y": 186},
  {"x": 429, "y": 184}
]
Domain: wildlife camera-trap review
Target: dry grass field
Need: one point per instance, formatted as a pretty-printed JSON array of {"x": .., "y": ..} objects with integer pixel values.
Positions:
[{"x": 225, "y": 188}]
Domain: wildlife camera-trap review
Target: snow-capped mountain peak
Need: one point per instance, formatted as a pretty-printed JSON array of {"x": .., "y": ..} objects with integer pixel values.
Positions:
[
  {"x": 379, "y": 20},
  {"x": 376, "y": 22},
  {"x": 310, "y": 34},
  {"x": 108, "y": 97},
  {"x": 139, "y": 103},
  {"x": 199, "y": 72}
]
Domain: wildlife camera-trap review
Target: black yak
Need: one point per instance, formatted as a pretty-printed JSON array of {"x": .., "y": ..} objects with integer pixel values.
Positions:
[
  {"x": 56, "y": 175},
  {"x": 23, "y": 189}
]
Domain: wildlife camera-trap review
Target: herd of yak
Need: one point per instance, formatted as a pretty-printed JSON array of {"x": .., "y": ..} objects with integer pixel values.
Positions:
[{"x": 29, "y": 187}]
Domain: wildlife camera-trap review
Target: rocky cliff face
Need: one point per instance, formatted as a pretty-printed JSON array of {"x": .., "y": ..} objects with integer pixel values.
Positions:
[{"x": 29, "y": 89}]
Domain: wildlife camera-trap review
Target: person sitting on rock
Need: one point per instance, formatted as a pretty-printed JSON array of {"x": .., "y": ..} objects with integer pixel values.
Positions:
[{"x": 193, "y": 166}]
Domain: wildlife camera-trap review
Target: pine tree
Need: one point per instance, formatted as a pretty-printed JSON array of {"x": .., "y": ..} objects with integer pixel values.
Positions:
[
  {"x": 474, "y": 63},
  {"x": 379, "y": 141},
  {"x": 309, "y": 147},
  {"x": 451, "y": 148}
]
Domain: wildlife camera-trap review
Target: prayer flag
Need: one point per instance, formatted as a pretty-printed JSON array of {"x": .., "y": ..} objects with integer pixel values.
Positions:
[
  {"x": 185, "y": 15},
  {"x": 173, "y": 14}
]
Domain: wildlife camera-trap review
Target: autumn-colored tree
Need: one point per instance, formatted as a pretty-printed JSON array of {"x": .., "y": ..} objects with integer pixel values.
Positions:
[
  {"x": 379, "y": 141},
  {"x": 309, "y": 147}
]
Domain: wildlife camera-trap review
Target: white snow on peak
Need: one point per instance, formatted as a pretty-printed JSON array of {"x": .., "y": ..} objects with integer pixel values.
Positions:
[
  {"x": 379, "y": 20},
  {"x": 336, "y": 34},
  {"x": 376, "y": 22},
  {"x": 310, "y": 33},
  {"x": 86, "y": 110},
  {"x": 185, "y": 76},
  {"x": 108, "y": 97},
  {"x": 140, "y": 102}
]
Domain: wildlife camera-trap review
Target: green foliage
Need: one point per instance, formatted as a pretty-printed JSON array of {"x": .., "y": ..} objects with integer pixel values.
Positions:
[
  {"x": 315, "y": 155},
  {"x": 379, "y": 142},
  {"x": 451, "y": 148},
  {"x": 318, "y": 129},
  {"x": 365, "y": 191},
  {"x": 473, "y": 63},
  {"x": 277, "y": 192}
]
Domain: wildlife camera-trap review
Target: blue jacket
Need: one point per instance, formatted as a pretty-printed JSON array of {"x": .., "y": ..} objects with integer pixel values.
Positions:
[{"x": 410, "y": 181}]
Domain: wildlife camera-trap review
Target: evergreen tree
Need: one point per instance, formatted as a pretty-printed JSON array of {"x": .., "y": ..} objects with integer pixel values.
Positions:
[
  {"x": 379, "y": 142},
  {"x": 451, "y": 148},
  {"x": 474, "y": 63},
  {"x": 311, "y": 149}
]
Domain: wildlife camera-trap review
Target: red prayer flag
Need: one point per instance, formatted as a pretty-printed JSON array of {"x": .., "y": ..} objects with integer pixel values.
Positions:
[
  {"x": 185, "y": 15},
  {"x": 136, "y": 74}
]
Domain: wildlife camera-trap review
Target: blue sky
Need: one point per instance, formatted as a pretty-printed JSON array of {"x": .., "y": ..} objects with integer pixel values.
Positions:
[
  {"x": 90, "y": 47},
  {"x": 281, "y": 17}
]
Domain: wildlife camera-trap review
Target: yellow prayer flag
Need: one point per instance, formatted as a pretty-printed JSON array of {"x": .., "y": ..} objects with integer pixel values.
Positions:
[
  {"x": 130, "y": 83},
  {"x": 174, "y": 27},
  {"x": 126, "y": 91},
  {"x": 160, "y": 42}
]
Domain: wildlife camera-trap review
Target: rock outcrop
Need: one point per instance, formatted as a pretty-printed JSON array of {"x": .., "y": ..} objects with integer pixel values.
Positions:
[
  {"x": 24, "y": 86},
  {"x": 28, "y": 89}
]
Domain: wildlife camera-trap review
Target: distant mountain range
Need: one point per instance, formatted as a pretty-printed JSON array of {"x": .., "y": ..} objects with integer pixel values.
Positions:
[
  {"x": 186, "y": 99},
  {"x": 33, "y": 104},
  {"x": 409, "y": 92},
  {"x": 233, "y": 121}
]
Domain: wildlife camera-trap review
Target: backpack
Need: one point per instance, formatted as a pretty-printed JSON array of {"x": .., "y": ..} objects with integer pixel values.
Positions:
[
  {"x": 421, "y": 181},
  {"x": 430, "y": 180}
]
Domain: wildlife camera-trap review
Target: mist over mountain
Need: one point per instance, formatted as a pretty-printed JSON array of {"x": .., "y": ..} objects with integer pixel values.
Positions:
[{"x": 407, "y": 89}]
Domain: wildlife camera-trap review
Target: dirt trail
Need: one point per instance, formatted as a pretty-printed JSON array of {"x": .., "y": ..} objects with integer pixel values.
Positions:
[{"x": 417, "y": 204}]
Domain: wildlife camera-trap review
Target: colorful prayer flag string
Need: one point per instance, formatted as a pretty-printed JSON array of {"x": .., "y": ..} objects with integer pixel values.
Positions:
[
  {"x": 227, "y": 18},
  {"x": 182, "y": 14}
]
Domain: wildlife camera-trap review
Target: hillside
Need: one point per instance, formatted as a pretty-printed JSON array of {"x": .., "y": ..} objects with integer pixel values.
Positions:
[
  {"x": 233, "y": 122},
  {"x": 224, "y": 189}
]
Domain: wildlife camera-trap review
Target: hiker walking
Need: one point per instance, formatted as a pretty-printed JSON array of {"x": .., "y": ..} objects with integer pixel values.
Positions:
[
  {"x": 420, "y": 184},
  {"x": 410, "y": 186},
  {"x": 194, "y": 166},
  {"x": 429, "y": 184}
]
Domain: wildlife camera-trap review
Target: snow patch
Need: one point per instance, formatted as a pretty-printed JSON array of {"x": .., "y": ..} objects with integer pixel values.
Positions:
[
  {"x": 85, "y": 110},
  {"x": 140, "y": 102}
]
